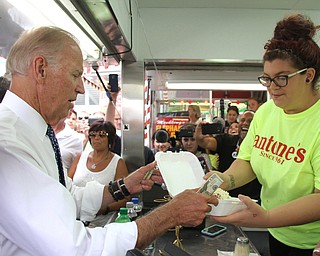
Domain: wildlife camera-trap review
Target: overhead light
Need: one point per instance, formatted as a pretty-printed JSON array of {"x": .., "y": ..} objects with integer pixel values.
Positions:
[
  {"x": 215, "y": 86},
  {"x": 48, "y": 13}
]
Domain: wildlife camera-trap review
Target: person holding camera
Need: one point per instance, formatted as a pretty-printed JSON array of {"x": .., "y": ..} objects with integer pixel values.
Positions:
[
  {"x": 189, "y": 143},
  {"x": 227, "y": 147}
]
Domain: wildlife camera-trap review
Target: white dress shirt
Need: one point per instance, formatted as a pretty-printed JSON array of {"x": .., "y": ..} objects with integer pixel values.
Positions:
[{"x": 38, "y": 214}]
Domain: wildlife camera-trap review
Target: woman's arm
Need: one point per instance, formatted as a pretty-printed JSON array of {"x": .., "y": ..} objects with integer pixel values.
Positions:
[
  {"x": 121, "y": 172},
  {"x": 238, "y": 174},
  {"x": 300, "y": 211}
]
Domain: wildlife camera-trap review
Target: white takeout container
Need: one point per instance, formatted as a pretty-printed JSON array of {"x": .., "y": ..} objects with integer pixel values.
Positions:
[
  {"x": 182, "y": 171},
  {"x": 227, "y": 207}
]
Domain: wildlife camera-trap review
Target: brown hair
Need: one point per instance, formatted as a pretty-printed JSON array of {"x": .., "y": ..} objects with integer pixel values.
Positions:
[
  {"x": 293, "y": 40},
  {"x": 234, "y": 108},
  {"x": 101, "y": 125}
]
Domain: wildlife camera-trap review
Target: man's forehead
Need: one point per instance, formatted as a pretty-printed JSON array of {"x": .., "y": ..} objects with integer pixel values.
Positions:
[{"x": 247, "y": 114}]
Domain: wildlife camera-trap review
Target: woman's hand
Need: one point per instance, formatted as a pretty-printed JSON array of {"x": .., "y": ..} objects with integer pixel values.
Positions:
[
  {"x": 226, "y": 179},
  {"x": 253, "y": 216}
]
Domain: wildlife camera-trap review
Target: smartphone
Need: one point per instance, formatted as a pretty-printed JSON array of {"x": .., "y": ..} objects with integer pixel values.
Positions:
[
  {"x": 213, "y": 230},
  {"x": 93, "y": 119},
  {"x": 203, "y": 163},
  {"x": 214, "y": 128},
  {"x": 184, "y": 133},
  {"x": 113, "y": 82}
]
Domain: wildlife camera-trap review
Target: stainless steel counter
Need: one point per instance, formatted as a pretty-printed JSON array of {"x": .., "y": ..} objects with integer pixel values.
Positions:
[{"x": 195, "y": 243}]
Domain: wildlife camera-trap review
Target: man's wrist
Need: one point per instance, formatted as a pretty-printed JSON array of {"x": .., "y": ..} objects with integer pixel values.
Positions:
[{"x": 118, "y": 189}]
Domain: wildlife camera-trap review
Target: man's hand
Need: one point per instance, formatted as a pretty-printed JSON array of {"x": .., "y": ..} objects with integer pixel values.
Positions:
[
  {"x": 190, "y": 207},
  {"x": 136, "y": 183}
]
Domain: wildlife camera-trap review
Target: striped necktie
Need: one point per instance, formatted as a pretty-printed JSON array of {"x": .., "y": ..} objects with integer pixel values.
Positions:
[{"x": 57, "y": 153}]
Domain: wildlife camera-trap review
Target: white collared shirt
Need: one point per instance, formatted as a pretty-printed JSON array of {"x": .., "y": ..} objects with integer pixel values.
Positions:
[{"x": 38, "y": 214}]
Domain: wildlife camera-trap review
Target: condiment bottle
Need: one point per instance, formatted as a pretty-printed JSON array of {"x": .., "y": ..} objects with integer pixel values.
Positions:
[
  {"x": 123, "y": 216},
  {"x": 242, "y": 247}
]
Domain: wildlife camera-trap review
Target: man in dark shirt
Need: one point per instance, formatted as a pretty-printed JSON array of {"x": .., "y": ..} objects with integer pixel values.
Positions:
[{"x": 227, "y": 146}]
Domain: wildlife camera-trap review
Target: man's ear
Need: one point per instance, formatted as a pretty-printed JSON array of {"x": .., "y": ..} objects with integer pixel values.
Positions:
[{"x": 40, "y": 65}]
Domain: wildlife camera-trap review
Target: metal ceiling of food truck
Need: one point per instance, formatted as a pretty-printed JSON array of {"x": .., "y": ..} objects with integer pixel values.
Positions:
[{"x": 234, "y": 4}]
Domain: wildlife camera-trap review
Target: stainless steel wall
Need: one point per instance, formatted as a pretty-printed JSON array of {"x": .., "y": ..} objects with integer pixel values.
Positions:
[{"x": 133, "y": 114}]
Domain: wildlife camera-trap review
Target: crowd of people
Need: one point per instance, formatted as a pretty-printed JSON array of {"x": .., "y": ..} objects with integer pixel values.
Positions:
[{"x": 270, "y": 152}]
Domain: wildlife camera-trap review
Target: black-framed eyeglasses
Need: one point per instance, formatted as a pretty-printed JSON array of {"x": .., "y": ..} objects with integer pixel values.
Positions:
[
  {"x": 93, "y": 134},
  {"x": 280, "y": 81}
]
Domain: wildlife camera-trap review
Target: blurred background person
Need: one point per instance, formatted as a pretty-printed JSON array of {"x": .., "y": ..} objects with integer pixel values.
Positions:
[
  {"x": 234, "y": 129},
  {"x": 189, "y": 143},
  {"x": 4, "y": 86},
  {"x": 83, "y": 121},
  {"x": 70, "y": 142},
  {"x": 231, "y": 117},
  {"x": 254, "y": 103},
  {"x": 98, "y": 114},
  {"x": 160, "y": 141},
  {"x": 194, "y": 114},
  {"x": 72, "y": 120}
]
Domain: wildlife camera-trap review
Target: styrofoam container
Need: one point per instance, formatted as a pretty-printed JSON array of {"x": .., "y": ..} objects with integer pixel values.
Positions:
[
  {"x": 182, "y": 171},
  {"x": 227, "y": 207}
]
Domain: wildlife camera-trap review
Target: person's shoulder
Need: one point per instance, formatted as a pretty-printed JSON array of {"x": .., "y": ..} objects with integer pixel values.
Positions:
[
  {"x": 266, "y": 106},
  {"x": 116, "y": 156}
]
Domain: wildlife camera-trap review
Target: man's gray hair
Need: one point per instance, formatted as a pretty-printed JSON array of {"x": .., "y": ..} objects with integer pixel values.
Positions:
[{"x": 45, "y": 41}]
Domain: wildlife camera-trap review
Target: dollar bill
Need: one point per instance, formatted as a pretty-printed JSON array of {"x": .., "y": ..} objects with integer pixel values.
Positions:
[
  {"x": 148, "y": 174},
  {"x": 211, "y": 185}
]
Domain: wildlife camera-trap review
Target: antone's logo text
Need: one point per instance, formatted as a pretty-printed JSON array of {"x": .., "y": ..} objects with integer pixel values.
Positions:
[{"x": 273, "y": 148}]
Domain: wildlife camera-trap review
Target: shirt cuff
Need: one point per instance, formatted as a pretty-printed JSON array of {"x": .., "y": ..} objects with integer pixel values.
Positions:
[{"x": 120, "y": 237}]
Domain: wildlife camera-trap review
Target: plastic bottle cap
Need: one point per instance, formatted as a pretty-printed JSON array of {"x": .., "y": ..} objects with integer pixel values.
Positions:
[
  {"x": 123, "y": 210},
  {"x": 135, "y": 200},
  {"x": 129, "y": 204}
]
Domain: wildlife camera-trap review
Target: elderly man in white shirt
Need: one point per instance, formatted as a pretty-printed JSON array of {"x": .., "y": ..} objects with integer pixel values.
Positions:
[{"x": 39, "y": 214}]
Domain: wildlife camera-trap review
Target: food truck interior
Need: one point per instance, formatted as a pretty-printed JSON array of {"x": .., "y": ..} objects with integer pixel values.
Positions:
[{"x": 168, "y": 54}]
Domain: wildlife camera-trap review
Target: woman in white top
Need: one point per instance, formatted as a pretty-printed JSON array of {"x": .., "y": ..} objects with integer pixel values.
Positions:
[{"x": 100, "y": 164}]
